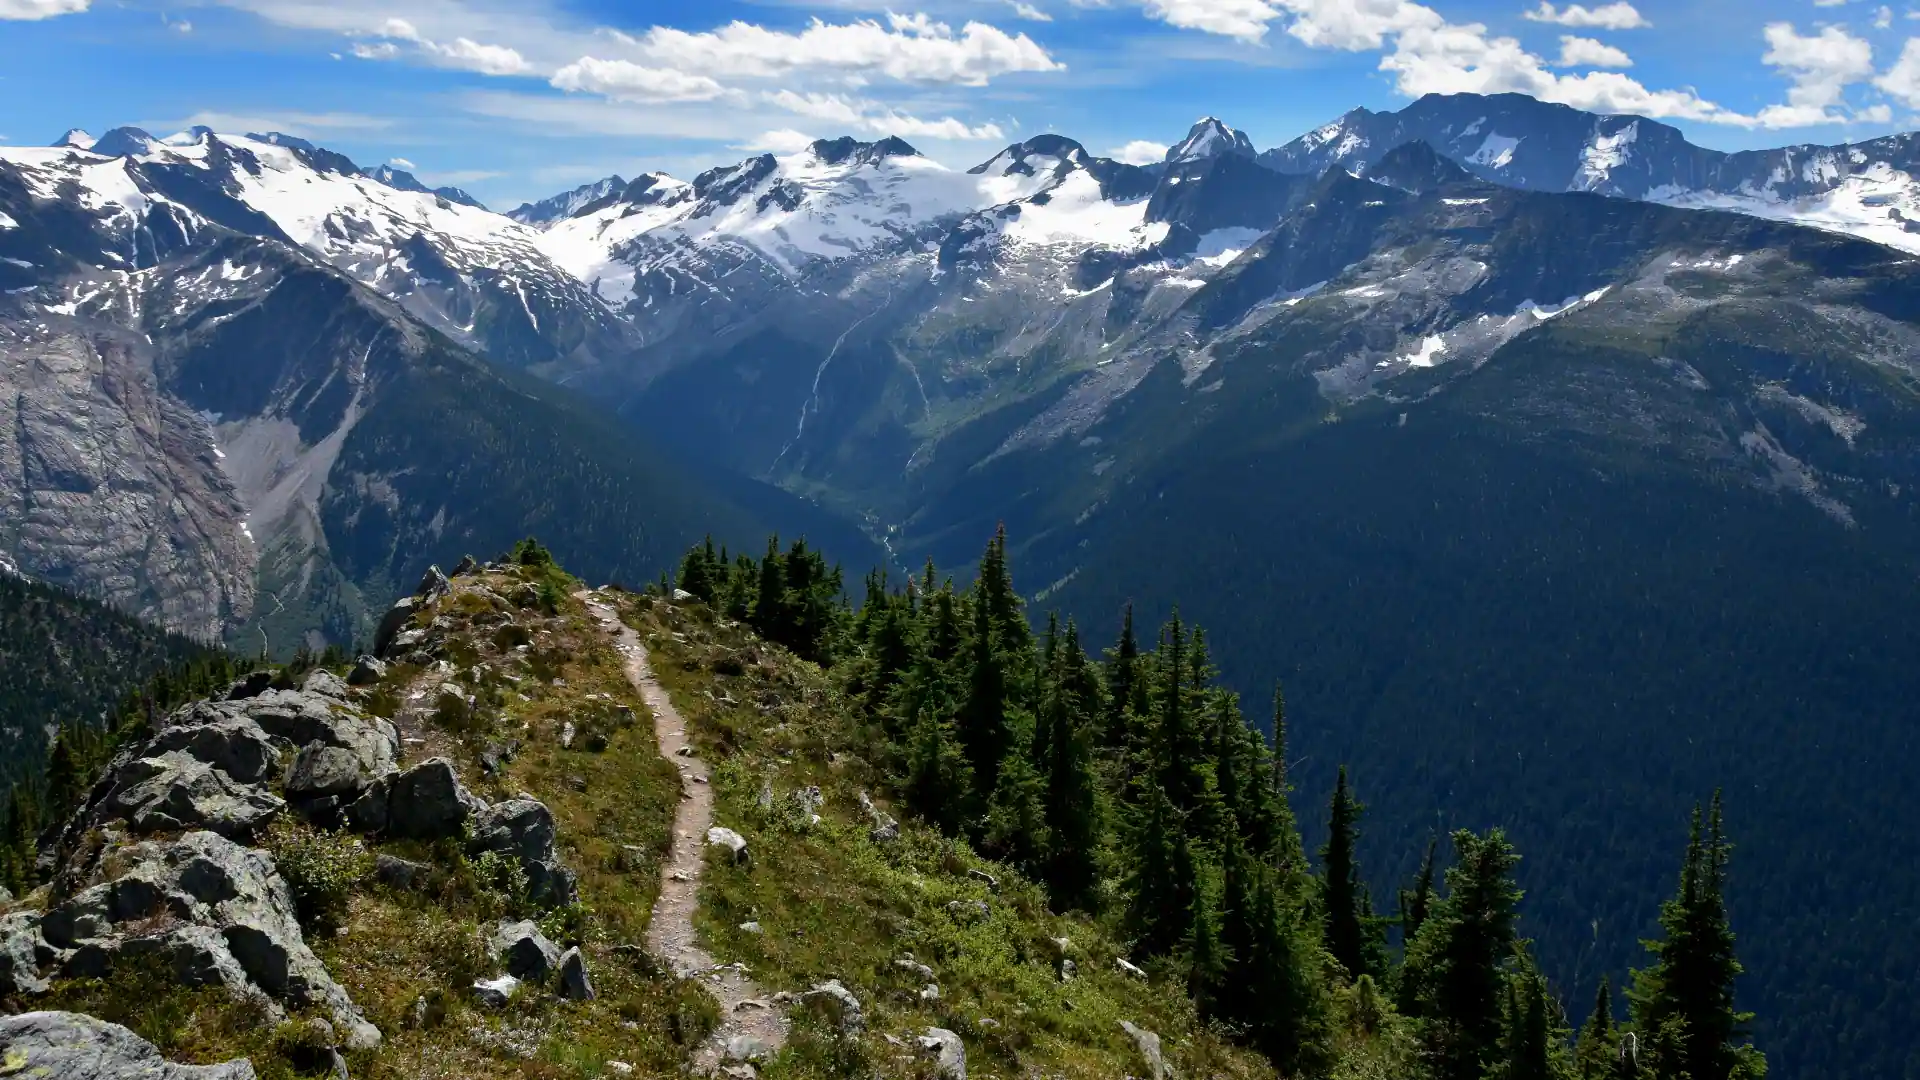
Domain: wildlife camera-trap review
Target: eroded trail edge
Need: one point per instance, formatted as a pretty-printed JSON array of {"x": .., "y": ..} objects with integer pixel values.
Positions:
[{"x": 670, "y": 935}]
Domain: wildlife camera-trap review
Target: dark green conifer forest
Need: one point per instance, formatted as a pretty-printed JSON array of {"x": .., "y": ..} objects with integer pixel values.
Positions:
[{"x": 1129, "y": 782}]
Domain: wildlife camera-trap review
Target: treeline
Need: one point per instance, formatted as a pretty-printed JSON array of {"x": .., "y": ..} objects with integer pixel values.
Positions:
[
  {"x": 66, "y": 664},
  {"x": 1133, "y": 787}
]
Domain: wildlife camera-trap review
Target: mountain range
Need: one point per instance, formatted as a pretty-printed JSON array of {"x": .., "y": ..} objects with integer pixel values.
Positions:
[{"x": 1511, "y": 438}]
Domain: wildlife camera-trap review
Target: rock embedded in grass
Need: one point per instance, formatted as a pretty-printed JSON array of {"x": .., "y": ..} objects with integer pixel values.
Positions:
[
  {"x": 523, "y": 950},
  {"x": 496, "y": 992},
  {"x": 719, "y": 836},
  {"x": 575, "y": 985},
  {"x": 949, "y": 1054},
  {"x": 65, "y": 1044}
]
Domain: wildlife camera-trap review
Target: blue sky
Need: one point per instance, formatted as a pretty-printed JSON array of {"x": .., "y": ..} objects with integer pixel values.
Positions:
[{"x": 519, "y": 99}]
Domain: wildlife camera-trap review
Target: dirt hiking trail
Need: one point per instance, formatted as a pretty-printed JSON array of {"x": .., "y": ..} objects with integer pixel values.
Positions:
[{"x": 744, "y": 1007}]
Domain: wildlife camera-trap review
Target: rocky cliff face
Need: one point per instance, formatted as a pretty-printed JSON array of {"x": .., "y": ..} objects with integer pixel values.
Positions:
[{"x": 115, "y": 487}]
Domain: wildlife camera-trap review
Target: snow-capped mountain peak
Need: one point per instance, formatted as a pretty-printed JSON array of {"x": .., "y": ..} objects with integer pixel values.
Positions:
[
  {"x": 1209, "y": 137},
  {"x": 123, "y": 141},
  {"x": 76, "y": 138},
  {"x": 439, "y": 253},
  {"x": 567, "y": 203}
]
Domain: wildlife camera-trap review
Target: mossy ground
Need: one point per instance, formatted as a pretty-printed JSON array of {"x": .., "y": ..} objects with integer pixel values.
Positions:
[{"x": 832, "y": 903}]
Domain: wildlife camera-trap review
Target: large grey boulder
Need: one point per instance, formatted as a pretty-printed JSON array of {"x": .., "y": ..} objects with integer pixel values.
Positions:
[
  {"x": 721, "y": 837},
  {"x": 523, "y": 828},
  {"x": 949, "y": 1054},
  {"x": 575, "y": 985},
  {"x": 395, "y": 620},
  {"x": 322, "y": 778},
  {"x": 235, "y": 745},
  {"x": 367, "y": 671},
  {"x": 23, "y": 952},
  {"x": 325, "y": 683},
  {"x": 433, "y": 585},
  {"x": 235, "y": 925},
  {"x": 1148, "y": 1044},
  {"x": 835, "y": 1004},
  {"x": 426, "y": 802},
  {"x": 173, "y": 791},
  {"x": 523, "y": 950},
  {"x": 74, "y": 1046},
  {"x": 299, "y": 717}
]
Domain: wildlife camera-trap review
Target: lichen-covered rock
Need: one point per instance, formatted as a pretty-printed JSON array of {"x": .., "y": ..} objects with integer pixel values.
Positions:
[
  {"x": 397, "y": 873},
  {"x": 496, "y": 992},
  {"x": 233, "y": 744},
  {"x": 885, "y": 828},
  {"x": 523, "y": 828},
  {"x": 22, "y": 953},
  {"x": 523, "y": 950},
  {"x": 366, "y": 671},
  {"x": 74, "y": 1046},
  {"x": 949, "y": 1054},
  {"x": 323, "y": 778},
  {"x": 1148, "y": 1044},
  {"x": 173, "y": 791},
  {"x": 426, "y": 802},
  {"x": 236, "y": 919},
  {"x": 836, "y": 1004}
]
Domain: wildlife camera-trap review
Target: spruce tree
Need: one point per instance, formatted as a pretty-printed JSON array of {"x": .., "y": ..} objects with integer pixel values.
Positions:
[
  {"x": 1598, "y": 1050},
  {"x": 1209, "y": 959},
  {"x": 1533, "y": 1050},
  {"x": 1016, "y": 825},
  {"x": 65, "y": 773},
  {"x": 1417, "y": 901},
  {"x": 770, "y": 596},
  {"x": 1068, "y": 714},
  {"x": 1343, "y": 902},
  {"x": 1454, "y": 980},
  {"x": 938, "y": 783},
  {"x": 1159, "y": 879},
  {"x": 1683, "y": 1006},
  {"x": 1126, "y": 686},
  {"x": 982, "y": 720}
]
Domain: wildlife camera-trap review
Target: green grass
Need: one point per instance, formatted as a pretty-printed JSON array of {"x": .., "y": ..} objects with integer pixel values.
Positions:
[{"x": 832, "y": 903}]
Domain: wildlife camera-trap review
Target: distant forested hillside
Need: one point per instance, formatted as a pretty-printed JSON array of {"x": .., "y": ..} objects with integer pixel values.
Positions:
[{"x": 67, "y": 660}]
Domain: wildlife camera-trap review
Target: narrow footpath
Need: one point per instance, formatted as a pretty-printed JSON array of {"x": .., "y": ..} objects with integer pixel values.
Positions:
[{"x": 744, "y": 1007}]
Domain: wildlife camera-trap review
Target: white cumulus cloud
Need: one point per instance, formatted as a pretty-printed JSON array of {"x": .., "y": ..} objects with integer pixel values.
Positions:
[
  {"x": 1902, "y": 80},
  {"x": 878, "y": 119},
  {"x": 779, "y": 141},
  {"x": 626, "y": 81},
  {"x": 1139, "y": 152},
  {"x": 30, "y": 10},
  {"x": 471, "y": 55},
  {"x": 1616, "y": 16},
  {"x": 1243, "y": 19},
  {"x": 1821, "y": 66},
  {"x": 909, "y": 48},
  {"x": 1586, "y": 52}
]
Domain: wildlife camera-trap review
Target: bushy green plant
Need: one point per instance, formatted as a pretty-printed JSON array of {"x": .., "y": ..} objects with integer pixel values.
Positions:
[
  {"x": 500, "y": 885},
  {"x": 322, "y": 868}
]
